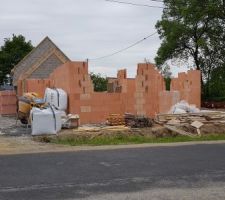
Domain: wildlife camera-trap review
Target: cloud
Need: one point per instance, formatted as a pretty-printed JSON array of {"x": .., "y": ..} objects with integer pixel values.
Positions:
[{"x": 86, "y": 29}]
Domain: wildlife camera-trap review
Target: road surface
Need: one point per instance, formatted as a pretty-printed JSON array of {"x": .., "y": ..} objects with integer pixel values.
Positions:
[{"x": 179, "y": 172}]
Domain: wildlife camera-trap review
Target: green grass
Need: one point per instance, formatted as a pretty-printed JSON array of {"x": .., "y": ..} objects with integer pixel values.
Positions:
[{"x": 123, "y": 139}]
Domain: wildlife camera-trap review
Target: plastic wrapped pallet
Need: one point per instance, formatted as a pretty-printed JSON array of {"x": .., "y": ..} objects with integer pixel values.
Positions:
[
  {"x": 56, "y": 97},
  {"x": 45, "y": 121}
]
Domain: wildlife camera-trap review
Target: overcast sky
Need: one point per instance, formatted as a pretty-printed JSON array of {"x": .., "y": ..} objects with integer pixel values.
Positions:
[{"x": 87, "y": 29}]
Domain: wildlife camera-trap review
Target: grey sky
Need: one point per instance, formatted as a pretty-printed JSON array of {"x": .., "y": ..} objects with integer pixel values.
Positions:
[{"x": 86, "y": 29}]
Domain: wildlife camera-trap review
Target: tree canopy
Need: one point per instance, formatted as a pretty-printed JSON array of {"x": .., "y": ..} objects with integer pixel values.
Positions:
[
  {"x": 216, "y": 84},
  {"x": 13, "y": 50},
  {"x": 193, "y": 31},
  {"x": 100, "y": 83},
  {"x": 166, "y": 72}
]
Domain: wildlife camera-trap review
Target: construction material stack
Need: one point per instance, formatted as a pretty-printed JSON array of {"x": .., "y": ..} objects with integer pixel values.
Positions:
[
  {"x": 57, "y": 98},
  {"x": 137, "y": 121},
  {"x": 45, "y": 121},
  {"x": 25, "y": 104},
  {"x": 48, "y": 119},
  {"x": 115, "y": 120}
]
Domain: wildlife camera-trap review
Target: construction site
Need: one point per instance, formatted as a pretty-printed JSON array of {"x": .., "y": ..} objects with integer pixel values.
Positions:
[
  {"x": 112, "y": 100},
  {"x": 52, "y": 92}
]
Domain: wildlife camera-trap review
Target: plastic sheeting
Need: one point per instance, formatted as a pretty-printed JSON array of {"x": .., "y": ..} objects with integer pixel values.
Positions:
[
  {"x": 56, "y": 97},
  {"x": 45, "y": 121},
  {"x": 183, "y": 107}
]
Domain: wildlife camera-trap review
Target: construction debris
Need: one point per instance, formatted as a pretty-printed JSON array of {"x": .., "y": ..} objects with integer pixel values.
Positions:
[
  {"x": 197, "y": 125},
  {"x": 179, "y": 131},
  {"x": 70, "y": 121}
]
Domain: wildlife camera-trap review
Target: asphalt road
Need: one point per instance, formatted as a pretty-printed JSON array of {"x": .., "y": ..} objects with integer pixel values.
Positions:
[{"x": 180, "y": 172}]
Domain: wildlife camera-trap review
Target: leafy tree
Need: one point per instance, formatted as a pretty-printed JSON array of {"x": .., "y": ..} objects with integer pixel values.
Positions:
[
  {"x": 193, "y": 30},
  {"x": 216, "y": 84},
  {"x": 13, "y": 50},
  {"x": 166, "y": 72},
  {"x": 100, "y": 83}
]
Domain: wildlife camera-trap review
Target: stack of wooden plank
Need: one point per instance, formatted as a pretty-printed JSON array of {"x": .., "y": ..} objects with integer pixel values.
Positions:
[
  {"x": 137, "y": 121},
  {"x": 203, "y": 117},
  {"x": 116, "y": 120},
  {"x": 175, "y": 122},
  {"x": 129, "y": 119}
]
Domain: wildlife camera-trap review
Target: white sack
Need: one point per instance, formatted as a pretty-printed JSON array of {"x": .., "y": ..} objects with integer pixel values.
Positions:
[
  {"x": 45, "y": 121},
  {"x": 56, "y": 97}
]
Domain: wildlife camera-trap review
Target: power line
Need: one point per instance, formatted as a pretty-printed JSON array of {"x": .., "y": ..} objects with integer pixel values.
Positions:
[
  {"x": 124, "y": 49},
  {"x": 134, "y": 4},
  {"x": 157, "y": 1},
  {"x": 147, "y": 5}
]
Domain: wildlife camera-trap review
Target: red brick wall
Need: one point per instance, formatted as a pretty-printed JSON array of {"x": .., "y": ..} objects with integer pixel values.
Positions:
[
  {"x": 144, "y": 95},
  {"x": 33, "y": 85},
  {"x": 189, "y": 86},
  {"x": 8, "y": 102},
  {"x": 167, "y": 99}
]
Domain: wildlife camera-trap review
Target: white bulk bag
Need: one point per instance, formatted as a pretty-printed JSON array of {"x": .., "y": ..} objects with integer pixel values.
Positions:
[
  {"x": 56, "y": 97},
  {"x": 45, "y": 121}
]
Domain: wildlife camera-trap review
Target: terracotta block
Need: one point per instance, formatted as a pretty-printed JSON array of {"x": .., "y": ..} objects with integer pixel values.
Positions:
[
  {"x": 189, "y": 86},
  {"x": 167, "y": 99},
  {"x": 85, "y": 96},
  {"x": 85, "y": 108},
  {"x": 8, "y": 109},
  {"x": 37, "y": 85}
]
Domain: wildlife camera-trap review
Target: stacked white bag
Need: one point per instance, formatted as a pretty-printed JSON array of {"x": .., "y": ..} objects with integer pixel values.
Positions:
[
  {"x": 49, "y": 120},
  {"x": 45, "y": 121},
  {"x": 56, "y": 97}
]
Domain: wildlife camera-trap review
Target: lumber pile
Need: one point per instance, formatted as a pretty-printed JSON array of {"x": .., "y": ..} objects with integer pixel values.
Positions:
[
  {"x": 137, "y": 121},
  {"x": 115, "y": 120},
  {"x": 131, "y": 120},
  {"x": 175, "y": 122},
  {"x": 203, "y": 117}
]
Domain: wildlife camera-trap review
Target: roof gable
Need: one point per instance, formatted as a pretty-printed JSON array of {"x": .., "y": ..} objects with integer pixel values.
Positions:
[{"x": 36, "y": 57}]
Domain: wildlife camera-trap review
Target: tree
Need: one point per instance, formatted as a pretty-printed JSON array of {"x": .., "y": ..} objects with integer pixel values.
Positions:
[
  {"x": 193, "y": 30},
  {"x": 100, "y": 83},
  {"x": 166, "y": 72},
  {"x": 13, "y": 51},
  {"x": 216, "y": 84}
]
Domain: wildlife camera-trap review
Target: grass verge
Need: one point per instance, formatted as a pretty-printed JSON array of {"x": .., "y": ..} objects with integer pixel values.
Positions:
[{"x": 124, "y": 139}]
